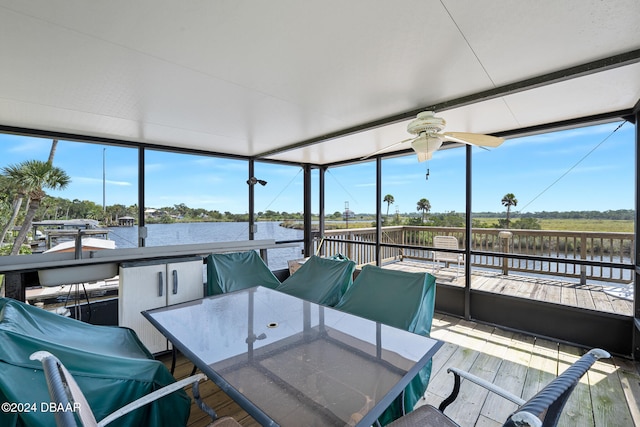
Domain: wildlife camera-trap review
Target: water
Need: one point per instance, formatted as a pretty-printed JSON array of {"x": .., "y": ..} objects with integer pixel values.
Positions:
[{"x": 207, "y": 232}]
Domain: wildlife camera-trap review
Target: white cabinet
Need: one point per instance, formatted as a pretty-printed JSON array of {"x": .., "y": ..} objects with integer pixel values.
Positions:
[{"x": 151, "y": 284}]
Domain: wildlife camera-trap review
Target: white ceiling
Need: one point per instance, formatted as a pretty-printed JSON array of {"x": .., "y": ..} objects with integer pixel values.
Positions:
[{"x": 248, "y": 77}]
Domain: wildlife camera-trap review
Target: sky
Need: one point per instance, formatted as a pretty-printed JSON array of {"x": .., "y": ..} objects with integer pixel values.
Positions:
[{"x": 587, "y": 168}]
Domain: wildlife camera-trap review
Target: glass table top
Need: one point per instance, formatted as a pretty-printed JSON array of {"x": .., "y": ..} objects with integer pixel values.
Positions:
[{"x": 287, "y": 361}]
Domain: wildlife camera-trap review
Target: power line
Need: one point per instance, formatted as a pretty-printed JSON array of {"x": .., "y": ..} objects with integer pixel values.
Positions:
[
  {"x": 573, "y": 167},
  {"x": 283, "y": 190},
  {"x": 342, "y": 186}
]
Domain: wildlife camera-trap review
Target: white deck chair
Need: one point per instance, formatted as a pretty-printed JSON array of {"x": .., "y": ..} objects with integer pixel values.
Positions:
[{"x": 446, "y": 242}]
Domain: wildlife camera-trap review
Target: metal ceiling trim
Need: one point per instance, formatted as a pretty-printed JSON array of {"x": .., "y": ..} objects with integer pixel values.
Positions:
[{"x": 67, "y": 136}]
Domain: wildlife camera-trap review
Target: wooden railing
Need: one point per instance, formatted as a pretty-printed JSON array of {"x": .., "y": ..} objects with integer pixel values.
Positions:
[
  {"x": 350, "y": 243},
  {"x": 554, "y": 247}
]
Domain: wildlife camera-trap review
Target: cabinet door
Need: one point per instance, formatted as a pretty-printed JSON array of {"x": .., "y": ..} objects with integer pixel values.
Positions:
[
  {"x": 184, "y": 281},
  {"x": 143, "y": 288}
]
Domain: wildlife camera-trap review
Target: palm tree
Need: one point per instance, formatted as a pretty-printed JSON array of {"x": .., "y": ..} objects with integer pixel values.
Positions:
[
  {"x": 424, "y": 206},
  {"x": 388, "y": 199},
  {"x": 33, "y": 176},
  {"x": 12, "y": 180},
  {"x": 509, "y": 200},
  {"x": 52, "y": 152}
]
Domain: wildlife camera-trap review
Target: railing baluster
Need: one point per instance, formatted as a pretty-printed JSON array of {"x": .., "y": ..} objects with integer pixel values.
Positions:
[{"x": 555, "y": 246}]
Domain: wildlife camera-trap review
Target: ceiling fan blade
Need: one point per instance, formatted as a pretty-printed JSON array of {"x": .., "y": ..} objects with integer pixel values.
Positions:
[
  {"x": 386, "y": 148},
  {"x": 473, "y": 139}
]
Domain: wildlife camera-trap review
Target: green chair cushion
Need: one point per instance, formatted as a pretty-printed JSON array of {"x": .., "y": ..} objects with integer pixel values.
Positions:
[
  {"x": 400, "y": 299},
  {"x": 320, "y": 280},
  {"x": 238, "y": 270},
  {"x": 110, "y": 364}
]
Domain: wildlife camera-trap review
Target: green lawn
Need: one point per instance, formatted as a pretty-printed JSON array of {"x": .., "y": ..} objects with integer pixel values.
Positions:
[{"x": 607, "y": 225}]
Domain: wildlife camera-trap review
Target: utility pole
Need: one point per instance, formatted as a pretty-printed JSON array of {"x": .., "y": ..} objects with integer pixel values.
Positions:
[
  {"x": 346, "y": 213},
  {"x": 104, "y": 182}
]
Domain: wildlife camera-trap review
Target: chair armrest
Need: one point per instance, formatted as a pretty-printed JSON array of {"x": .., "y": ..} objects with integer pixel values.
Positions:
[
  {"x": 546, "y": 406},
  {"x": 64, "y": 389},
  {"x": 138, "y": 403},
  {"x": 458, "y": 374},
  {"x": 144, "y": 400}
]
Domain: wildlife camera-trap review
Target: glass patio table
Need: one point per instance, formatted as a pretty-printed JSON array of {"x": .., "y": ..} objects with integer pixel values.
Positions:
[{"x": 290, "y": 362}]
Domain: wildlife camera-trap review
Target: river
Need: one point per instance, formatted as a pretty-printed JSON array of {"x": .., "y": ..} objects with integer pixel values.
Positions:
[{"x": 207, "y": 232}]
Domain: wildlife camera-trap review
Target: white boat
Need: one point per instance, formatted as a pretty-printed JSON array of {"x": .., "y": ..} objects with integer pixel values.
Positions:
[{"x": 88, "y": 244}]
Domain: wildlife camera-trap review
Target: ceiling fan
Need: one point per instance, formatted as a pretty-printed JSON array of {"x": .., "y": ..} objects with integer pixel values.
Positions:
[{"x": 429, "y": 137}]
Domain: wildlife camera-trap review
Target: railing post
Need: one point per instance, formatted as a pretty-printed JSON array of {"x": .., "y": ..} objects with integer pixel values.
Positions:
[
  {"x": 583, "y": 255},
  {"x": 505, "y": 237}
]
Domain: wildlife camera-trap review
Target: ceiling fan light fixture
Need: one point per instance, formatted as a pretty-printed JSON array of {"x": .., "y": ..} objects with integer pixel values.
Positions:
[
  {"x": 429, "y": 137},
  {"x": 425, "y": 145}
]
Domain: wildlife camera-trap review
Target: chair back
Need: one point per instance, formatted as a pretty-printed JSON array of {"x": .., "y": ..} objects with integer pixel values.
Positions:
[
  {"x": 396, "y": 298},
  {"x": 73, "y": 409},
  {"x": 65, "y": 393},
  {"x": 320, "y": 280},
  {"x": 238, "y": 270},
  {"x": 446, "y": 242},
  {"x": 400, "y": 299}
]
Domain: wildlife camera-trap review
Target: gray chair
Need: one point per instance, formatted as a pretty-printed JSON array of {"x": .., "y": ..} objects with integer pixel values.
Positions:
[
  {"x": 66, "y": 394},
  {"x": 542, "y": 410}
]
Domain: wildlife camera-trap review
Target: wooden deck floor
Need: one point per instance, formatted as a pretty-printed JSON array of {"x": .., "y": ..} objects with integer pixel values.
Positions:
[
  {"x": 607, "y": 396},
  {"x": 614, "y": 298}
]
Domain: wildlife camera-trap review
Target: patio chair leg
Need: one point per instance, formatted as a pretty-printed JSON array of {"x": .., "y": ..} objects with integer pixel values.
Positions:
[{"x": 174, "y": 355}]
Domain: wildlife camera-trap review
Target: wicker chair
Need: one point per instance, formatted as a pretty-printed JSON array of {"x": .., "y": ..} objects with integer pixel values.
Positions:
[{"x": 542, "y": 410}]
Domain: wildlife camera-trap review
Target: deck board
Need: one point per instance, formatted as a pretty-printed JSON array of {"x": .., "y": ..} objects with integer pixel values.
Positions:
[
  {"x": 522, "y": 364},
  {"x": 510, "y": 375},
  {"x": 591, "y": 295},
  {"x": 607, "y": 395},
  {"x": 579, "y": 408}
]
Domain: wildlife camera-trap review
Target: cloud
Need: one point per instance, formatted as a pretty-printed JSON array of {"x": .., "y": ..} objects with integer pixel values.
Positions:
[
  {"x": 88, "y": 180},
  {"x": 155, "y": 167},
  {"x": 28, "y": 146}
]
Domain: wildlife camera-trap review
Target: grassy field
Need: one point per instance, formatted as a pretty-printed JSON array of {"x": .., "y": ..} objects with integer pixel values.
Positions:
[
  {"x": 625, "y": 226},
  {"x": 604, "y": 225}
]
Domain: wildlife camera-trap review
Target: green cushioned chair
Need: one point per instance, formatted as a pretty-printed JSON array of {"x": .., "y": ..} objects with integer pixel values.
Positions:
[
  {"x": 27, "y": 320},
  {"x": 110, "y": 364},
  {"x": 400, "y": 299},
  {"x": 320, "y": 280},
  {"x": 66, "y": 393},
  {"x": 238, "y": 270}
]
